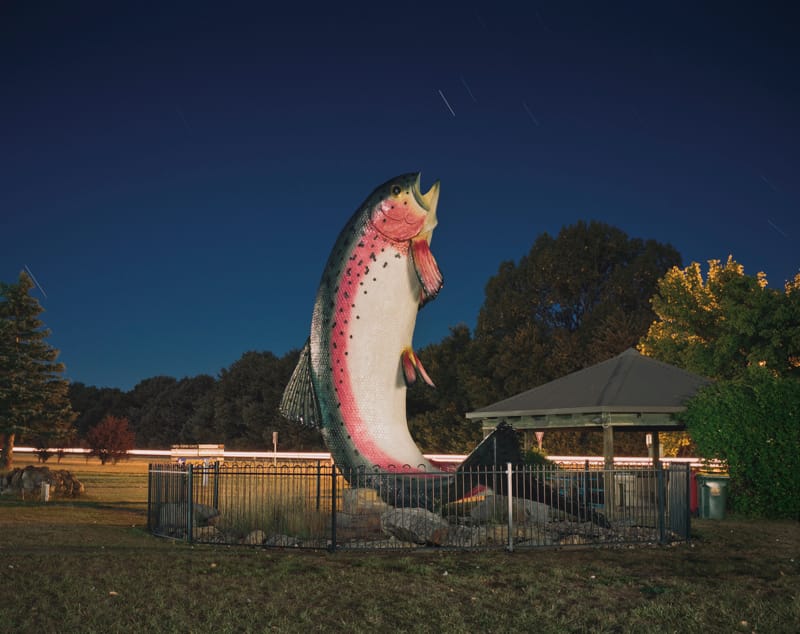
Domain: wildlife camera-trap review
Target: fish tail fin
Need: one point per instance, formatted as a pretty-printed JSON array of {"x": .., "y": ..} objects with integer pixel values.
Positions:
[
  {"x": 413, "y": 366},
  {"x": 299, "y": 402}
]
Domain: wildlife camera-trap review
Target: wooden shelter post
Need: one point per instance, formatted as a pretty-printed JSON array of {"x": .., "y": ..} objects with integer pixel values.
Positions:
[{"x": 655, "y": 447}]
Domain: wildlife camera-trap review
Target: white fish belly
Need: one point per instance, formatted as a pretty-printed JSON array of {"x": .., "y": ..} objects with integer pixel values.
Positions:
[{"x": 385, "y": 327}]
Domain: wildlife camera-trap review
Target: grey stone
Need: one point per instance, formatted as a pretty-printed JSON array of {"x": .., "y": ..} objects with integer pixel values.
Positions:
[
  {"x": 175, "y": 515},
  {"x": 415, "y": 525},
  {"x": 28, "y": 482},
  {"x": 255, "y": 538},
  {"x": 494, "y": 508}
]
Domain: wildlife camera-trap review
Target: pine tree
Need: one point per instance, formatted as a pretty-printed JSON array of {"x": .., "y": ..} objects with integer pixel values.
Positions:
[{"x": 34, "y": 404}]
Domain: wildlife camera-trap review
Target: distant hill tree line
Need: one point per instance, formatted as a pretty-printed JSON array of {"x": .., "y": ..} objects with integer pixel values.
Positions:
[
  {"x": 238, "y": 408},
  {"x": 574, "y": 300}
]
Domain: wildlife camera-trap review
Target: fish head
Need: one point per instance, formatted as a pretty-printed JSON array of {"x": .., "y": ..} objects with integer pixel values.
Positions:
[{"x": 400, "y": 211}]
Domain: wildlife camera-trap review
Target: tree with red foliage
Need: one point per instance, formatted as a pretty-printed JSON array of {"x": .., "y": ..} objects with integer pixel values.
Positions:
[{"x": 110, "y": 439}]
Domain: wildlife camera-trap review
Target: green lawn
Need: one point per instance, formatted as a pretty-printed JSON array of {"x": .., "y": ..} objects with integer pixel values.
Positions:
[{"x": 88, "y": 565}]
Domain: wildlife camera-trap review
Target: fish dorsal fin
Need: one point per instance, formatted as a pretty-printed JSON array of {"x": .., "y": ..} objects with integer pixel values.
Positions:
[
  {"x": 428, "y": 273},
  {"x": 299, "y": 402}
]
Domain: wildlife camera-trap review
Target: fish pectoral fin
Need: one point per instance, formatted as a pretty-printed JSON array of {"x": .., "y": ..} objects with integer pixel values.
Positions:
[
  {"x": 428, "y": 273},
  {"x": 299, "y": 402},
  {"x": 413, "y": 366}
]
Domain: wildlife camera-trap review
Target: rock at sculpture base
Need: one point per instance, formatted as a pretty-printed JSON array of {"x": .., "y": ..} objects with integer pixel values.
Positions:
[
  {"x": 174, "y": 515},
  {"x": 495, "y": 508},
  {"x": 362, "y": 500},
  {"x": 282, "y": 541},
  {"x": 255, "y": 538},
  {"x": 418, "y": 526}
]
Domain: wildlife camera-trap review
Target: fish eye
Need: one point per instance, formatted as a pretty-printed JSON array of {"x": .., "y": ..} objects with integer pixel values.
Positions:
[{"x": 396, "y": 190}]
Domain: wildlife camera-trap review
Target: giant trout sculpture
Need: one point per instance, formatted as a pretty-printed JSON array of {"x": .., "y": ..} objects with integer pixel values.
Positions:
[{"x": 353, "y": 371}]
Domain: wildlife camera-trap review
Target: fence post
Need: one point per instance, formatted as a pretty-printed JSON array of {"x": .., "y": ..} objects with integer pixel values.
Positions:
[
  {"x": 149, "y": 497},
  {"x": 189, "y": 501},
  {"x": 319, "y": 482},
  {"x": 686, "y": 505},
  {"x": 662, "y": 533},
  {"x": 587, "y": 485},
  {"x": 216, "y": 485},
  {"x": 333, "y": 508},
  {"x": 510, "y": 499}
]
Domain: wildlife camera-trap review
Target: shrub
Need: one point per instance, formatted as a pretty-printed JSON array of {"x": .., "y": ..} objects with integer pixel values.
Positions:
[
  {"x": 110, "y": 439},
  {"x": 753, "y": 424},
  {"x": 536, "y": 457}
]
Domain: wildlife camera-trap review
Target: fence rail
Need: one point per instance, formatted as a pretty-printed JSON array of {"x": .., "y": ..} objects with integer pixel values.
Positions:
[{"x": 314, "y": 505}]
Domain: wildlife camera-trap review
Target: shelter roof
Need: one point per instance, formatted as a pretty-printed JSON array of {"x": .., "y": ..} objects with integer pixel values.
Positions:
[{"x": 629, "y": 383}]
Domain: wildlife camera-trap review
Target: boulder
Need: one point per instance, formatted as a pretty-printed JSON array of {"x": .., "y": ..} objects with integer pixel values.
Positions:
[
  {"x": 416, "y": 525},
  {"x": 207, "y": 534},
  {"x": 494, "y": 508},
  {"x": 28, "y": 482},
  {"x": 175, "y": 515},
  {"x": 360, "y": 501},
  {"x": 255, "y": 538},
  {"x": 282, "y": 541}
]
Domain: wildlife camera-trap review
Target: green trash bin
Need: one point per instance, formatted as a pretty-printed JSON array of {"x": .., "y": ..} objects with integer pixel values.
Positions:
[{"x": 713, "y": 496}]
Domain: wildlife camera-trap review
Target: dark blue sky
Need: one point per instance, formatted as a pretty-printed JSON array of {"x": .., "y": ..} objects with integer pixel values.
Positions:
[{"x": 175, "y": 178}]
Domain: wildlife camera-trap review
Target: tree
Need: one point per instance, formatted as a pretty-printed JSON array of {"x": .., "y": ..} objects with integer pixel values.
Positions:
[
  {"x": 151, "y": 414},
  {"x": 753, "y": 424},
  {"x": 33, "y": 397},
  {"x": 246, "y": 403},
  {"x": 110, "y": 439},
  {"x": 436, "y": 416},
  {"x": 722, "y": 325},
  {"x": 573, "y": 301},
  {"x": 93, "y": 404}
]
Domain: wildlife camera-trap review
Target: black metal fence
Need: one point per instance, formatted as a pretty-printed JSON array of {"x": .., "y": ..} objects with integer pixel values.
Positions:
[{"x": 314, "y": 505}]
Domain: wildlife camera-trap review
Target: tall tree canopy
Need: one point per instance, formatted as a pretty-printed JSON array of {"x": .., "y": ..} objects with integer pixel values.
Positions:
[
  {"x": 574, "y": 300},
  {"x": 723, "y": 324},
  {"x": 246, "y": 404},
  {"x": 33, "y": 396},
  {"x": 95, "y": 403},
  {"x": 436, "y": 416}
]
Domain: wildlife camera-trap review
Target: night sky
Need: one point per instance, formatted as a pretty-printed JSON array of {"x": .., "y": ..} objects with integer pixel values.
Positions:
[{"x": 175, "y": 177}]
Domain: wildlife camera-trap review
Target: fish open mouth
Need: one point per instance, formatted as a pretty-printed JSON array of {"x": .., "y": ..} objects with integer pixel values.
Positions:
[{"x": 427, "y": 201}]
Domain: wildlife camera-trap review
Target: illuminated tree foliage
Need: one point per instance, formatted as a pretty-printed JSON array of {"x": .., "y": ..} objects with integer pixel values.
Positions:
[
  {"x": 723, "y": 324},
  {"x": 34, "y": 403}
]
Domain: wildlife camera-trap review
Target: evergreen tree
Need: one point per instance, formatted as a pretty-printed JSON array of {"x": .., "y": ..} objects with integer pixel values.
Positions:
[{"x": 34, "y": 403}]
